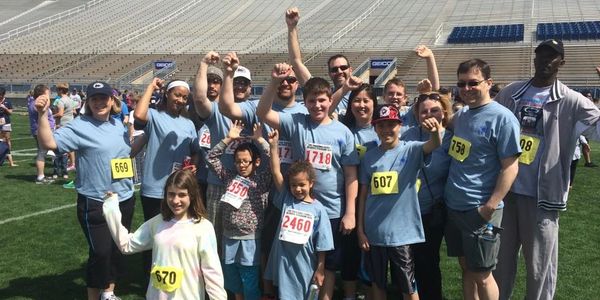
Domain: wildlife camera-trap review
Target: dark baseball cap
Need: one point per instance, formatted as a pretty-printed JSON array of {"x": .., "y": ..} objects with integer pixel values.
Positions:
[
  {"x": 386, "y": 112},
  {"x": 99, "y": 88},
  {"x": 556, "y": 45}
]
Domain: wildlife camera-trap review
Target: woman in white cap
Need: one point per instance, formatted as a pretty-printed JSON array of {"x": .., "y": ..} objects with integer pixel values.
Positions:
[
  {"x": 103, "y": 165},
  {"x": 172, "y": 142}
]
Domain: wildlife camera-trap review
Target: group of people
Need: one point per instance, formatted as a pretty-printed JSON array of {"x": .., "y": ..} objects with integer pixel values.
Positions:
[{"x": 269, "y": 198}]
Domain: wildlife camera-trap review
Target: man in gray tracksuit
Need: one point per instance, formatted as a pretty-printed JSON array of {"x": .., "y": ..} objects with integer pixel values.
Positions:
[{"x": 552, "y": 117}]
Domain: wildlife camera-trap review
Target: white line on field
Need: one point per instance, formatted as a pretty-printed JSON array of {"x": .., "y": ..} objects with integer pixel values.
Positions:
[{"x": 43, "y": 212}]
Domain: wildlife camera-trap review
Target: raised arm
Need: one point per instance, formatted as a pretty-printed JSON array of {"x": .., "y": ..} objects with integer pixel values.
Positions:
[
  {"x": 275, "y": 162},
  {"x": 201, "y": 103},
  {"x": 227, "y": 104},
  {"x": 44, "y": 136},
  {"x": 140, "y": 114},
  {"x": 424, "y": 52},
  {"x": 435, "y": 134},
  {"x": 292, "y": 16},
  {"x": 351, "y": 84},
  {"x": 264, "y": 110},
  {"x": 213, "y": 157}
]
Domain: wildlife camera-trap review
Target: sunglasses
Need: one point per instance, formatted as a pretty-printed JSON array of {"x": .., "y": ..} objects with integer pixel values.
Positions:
[
  {"x": 214, "y": 80},
  {"x": 432, "y": 96},
  {"x": 341, "y": 68},
  {"x": 242, "y": 82},
  {"x": 462, "y": 84},
  {"x": 290, "y": 80}
]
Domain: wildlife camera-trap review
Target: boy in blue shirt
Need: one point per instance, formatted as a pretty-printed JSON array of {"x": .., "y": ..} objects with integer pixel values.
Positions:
[
  {"x": 388, "y": 201},
  {"x": 330, "y": 147}
]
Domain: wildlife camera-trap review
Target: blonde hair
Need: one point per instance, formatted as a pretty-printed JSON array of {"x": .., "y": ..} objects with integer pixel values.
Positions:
[{"x": 114, "y": 109}]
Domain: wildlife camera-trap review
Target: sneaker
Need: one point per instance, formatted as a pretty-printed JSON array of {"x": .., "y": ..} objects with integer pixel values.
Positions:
[
  {"x": 111, "y": 297},
  {"x": 54, "y": 176},
  {"x": 65, "y": 176},
  {"x": 70, "y": 185},
  {"x": 70, "y": 168},
  {"x": 590, "y": 165},
  {"x": 50, "y": 153},
  {"x": 44, "y": 180}
]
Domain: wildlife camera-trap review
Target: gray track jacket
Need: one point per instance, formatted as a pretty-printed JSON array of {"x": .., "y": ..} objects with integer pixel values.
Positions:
[{"x": 566, "y": 115}]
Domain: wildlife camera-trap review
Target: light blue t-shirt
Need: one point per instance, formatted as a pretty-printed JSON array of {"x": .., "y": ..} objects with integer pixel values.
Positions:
[
  {"x": 529, "y": 114},
  {"x": 493, "y": 132},
  {"x": 433, "y": 176},
  {"x": 170, "y": 141},
  {"x": 342, "y": 106},
  {"x": 95, "y": 143},
  {"x": 393, "y": 219},
  {"x": 204, "y": 143},
  {"x": 292, "y": 266},
  {"x": 328, "y": 147},
  {"x": 408, "y": 119},
  {"x": 219, "y": 125},
  {"x": 366, "y": 139}
]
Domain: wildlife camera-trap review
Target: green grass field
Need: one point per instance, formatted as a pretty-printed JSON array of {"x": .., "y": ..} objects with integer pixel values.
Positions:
[{"x": 44, "y": 256}]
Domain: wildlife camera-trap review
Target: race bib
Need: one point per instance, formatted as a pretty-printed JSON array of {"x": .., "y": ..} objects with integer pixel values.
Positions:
[
  {"x": 529, "y": 146},
  {"x": 235, "y": 143},
  {"x": 166, "y": 279},
  {"x": 361, "y": 150},
  {"x": 459, "y": 149},
  {"x": 384, "y": 183},
  {"x": 205, "y": 139},
  {"x": 285, "y": 152},
  {"x": 296, "y": 226},
  {"x": 121, "y": 168},
  {"x": 237, "y": 191},
  {"x": 319, "y": 156}
]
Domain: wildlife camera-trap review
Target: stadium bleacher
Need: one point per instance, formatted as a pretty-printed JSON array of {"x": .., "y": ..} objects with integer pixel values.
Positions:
[{"x": 112, "y": 37}]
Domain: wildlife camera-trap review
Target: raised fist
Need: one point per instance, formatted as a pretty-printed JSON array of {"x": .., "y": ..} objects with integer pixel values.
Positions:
[
  {"x": 292, "y": 16},
  {"x": 231, "y": 62}
]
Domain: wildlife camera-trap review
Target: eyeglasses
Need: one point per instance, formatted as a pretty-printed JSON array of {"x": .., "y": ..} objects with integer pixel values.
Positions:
[
  {"x": 243, "y": 162},
  {"x": 432, "y": 96},
  {"x": 290, "y": 80},
  {"x": 341, "y": 68},
  {"x": 462, "y": 84}
]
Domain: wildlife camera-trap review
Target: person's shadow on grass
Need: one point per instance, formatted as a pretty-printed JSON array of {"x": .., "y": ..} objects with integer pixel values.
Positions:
[{"x": 71, "y": 284}]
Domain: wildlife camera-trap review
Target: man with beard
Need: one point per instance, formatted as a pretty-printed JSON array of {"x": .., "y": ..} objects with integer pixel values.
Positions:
[
  {"x": 552, "y": 117},
  {"x": 484, "y": 150},
  {"x": 338, "y": 67},
  {"x": 207, "y": 98},
  {"x": 206, "y": 93}
]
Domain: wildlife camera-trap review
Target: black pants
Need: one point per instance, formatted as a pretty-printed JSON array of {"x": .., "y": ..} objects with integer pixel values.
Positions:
[
  {"x": 105, "y": 261},
  {"x": 151, "y": 208},
  {"x": 427, "y": 256},
  {"x": 573, "y": 169}
]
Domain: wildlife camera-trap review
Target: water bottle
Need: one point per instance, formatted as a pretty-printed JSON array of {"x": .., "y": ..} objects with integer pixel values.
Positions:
[
  {"x": 488, "y": 233},
  {"x": 314, "y": 292}
]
